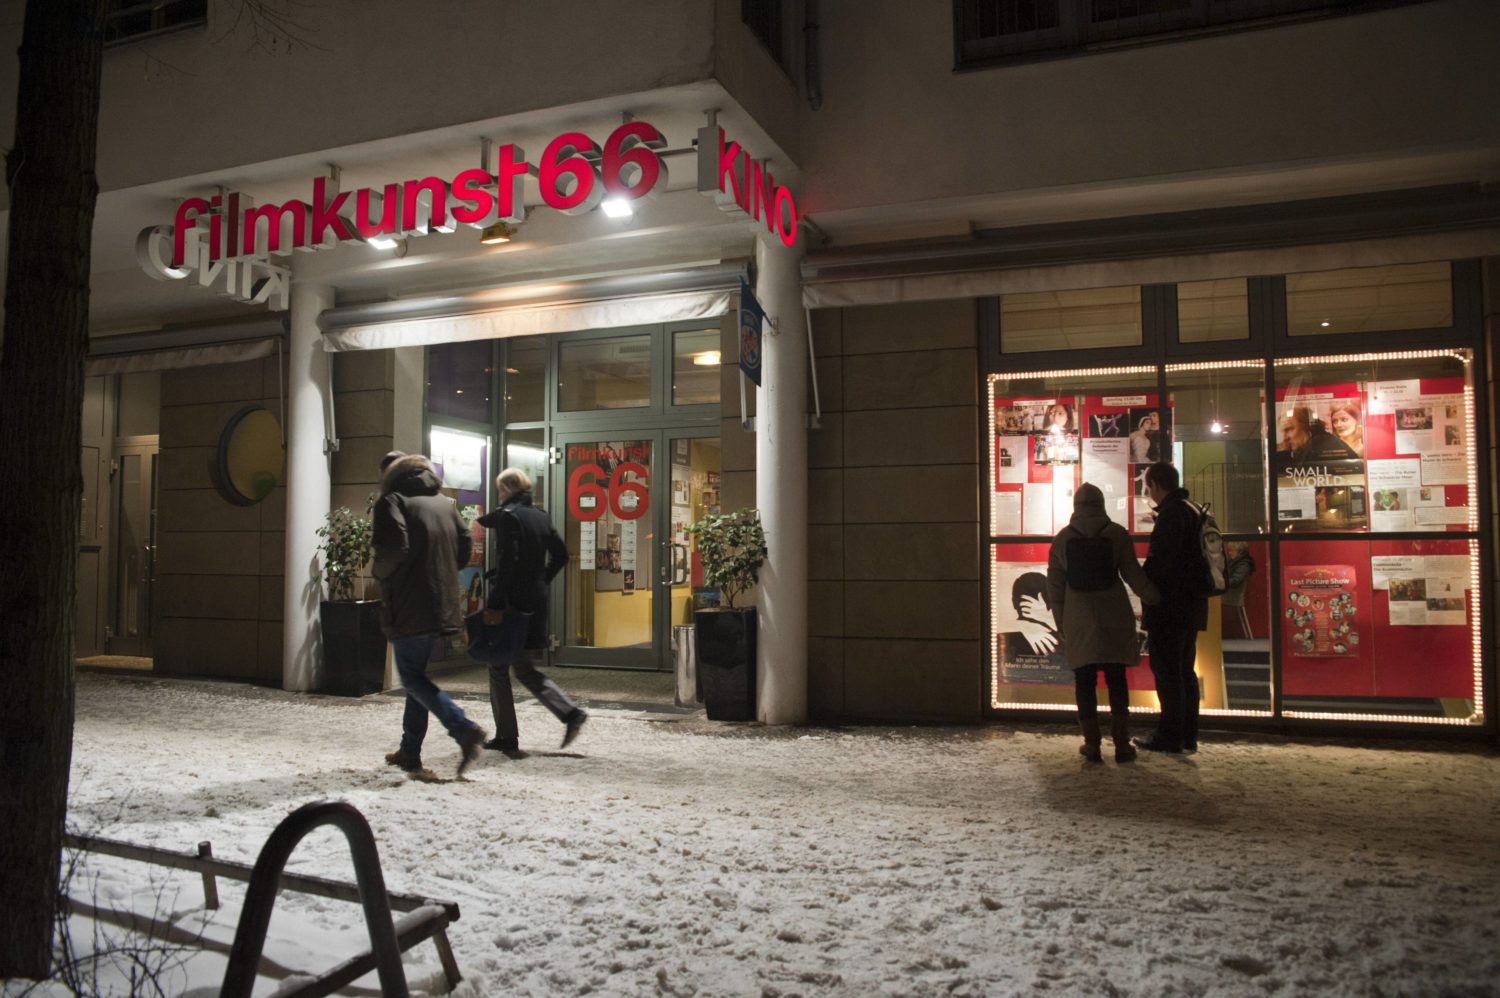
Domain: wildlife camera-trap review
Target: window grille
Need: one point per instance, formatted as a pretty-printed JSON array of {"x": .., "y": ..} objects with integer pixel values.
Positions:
[
  {"x": 994, "y": 30},
  {"x": 130, "y": 20}
]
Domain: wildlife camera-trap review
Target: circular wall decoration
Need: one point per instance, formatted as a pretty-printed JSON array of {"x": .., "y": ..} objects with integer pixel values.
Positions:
[{"x": 250, "y": 459}]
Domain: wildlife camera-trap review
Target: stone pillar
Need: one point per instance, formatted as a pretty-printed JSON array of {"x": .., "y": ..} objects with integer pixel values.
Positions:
[
  {"x": 781, "y": 488},
  {"x": 308, "y": 486}
]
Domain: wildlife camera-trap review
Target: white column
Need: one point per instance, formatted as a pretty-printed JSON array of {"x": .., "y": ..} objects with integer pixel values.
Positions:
[
  {"x": 781, "y": 488},
  {"x": 308, "y": 487}
]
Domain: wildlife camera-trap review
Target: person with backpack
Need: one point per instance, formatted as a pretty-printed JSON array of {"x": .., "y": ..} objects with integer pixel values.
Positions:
[
  {"x": 1177, "y": 564},
  {"x": 1089, "y": 559},
  {"x": 528, "y": 556}
]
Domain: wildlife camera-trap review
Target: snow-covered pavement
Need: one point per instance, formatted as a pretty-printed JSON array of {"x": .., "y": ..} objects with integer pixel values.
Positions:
[{"x": 677, "y": 856}]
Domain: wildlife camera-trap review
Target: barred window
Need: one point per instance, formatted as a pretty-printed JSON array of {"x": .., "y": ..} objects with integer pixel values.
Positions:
[
  {"x": 129, "y": 20},
  {"x": 995, "y": 30}
]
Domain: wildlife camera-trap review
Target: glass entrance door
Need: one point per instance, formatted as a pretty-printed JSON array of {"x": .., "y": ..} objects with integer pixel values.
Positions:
[
  {"x": 623, "y": 502},
  {"x": 608, "y": 483}
]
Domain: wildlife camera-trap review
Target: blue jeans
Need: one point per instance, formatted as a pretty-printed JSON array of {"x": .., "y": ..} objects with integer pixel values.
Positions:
[{"x": 423, "y": 696}]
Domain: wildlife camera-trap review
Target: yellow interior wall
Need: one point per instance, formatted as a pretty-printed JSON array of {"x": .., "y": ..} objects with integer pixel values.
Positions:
[{"x": 621, "y": 620}]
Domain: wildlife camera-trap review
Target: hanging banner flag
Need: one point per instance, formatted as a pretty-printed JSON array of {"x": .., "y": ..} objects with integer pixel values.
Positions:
[{"x": 751, "y": 318}]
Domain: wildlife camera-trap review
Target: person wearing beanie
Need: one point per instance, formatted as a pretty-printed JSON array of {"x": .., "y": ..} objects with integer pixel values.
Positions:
[
  {"x": 420, "y": 544},
  {"x": 1090, "y": 562}
]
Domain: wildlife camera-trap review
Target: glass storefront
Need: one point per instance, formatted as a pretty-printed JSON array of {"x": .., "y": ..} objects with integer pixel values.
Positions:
[
  {"x": 1348, "y": 482},
  {"x": 618, "y": 431}
]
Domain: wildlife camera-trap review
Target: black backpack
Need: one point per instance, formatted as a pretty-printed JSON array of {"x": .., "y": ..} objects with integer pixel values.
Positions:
[{"x": 1090, "y": 563}]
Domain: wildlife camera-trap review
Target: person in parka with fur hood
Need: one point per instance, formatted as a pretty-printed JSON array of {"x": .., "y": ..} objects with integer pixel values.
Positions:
[
  {"x": 1098, "y": 626},
  {"x": 420, "y": 544}
]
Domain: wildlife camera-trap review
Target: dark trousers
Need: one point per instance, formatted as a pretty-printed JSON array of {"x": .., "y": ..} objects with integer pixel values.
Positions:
[
  {"x": 518, "y": 660},
  {"x": 1086, "y": 679},
  {"x": 1172, "y": 655}
]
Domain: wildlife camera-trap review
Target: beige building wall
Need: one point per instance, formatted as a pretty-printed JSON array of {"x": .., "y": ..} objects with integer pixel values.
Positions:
[
  {"x": 220, "y": 566},
  {"x": 364, "y": 399},
  {"x": 895, "y": 616}
]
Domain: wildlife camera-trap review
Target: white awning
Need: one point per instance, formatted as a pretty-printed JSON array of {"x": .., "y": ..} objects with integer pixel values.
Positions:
[
  {"x": 184, "y": 346},
  {"x": 983, "y": 283},
  {"x": 531, "y": 309},
  {"x": 531, "y": 320}
]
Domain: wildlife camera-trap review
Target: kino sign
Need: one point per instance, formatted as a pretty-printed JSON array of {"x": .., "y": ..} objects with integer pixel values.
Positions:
[{"x": 229, "y": 241}]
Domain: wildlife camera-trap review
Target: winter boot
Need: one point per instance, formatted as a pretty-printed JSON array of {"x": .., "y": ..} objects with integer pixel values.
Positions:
[
  {"x": 1091, "y": 738},
  {"x": 1119, "y": 730}
]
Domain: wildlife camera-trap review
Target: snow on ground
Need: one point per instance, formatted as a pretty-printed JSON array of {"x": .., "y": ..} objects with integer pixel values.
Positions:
[{"x": 678, "y": 856}]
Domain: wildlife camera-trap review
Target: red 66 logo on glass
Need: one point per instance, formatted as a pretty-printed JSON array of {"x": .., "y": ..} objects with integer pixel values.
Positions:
[{"x": 609, "y": 478}]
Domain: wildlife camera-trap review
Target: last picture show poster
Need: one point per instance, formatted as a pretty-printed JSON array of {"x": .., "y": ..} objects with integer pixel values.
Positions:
[
  {"x": 1028, "y": 644},
  {"x": 1321, "y": 611}
]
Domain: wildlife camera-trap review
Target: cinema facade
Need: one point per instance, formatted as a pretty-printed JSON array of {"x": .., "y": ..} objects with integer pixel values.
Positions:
[{"x": 957, "y": 339}]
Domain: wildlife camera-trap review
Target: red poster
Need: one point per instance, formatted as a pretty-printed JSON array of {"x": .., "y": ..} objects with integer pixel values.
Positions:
[{"x": 1321, "y": 611}]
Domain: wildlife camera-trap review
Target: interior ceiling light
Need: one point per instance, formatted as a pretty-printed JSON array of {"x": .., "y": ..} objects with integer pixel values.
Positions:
[
  {"x": 493, "y": 235},
  {"x": 617, "y": 208},
  {"x": 708, "y": 358}
]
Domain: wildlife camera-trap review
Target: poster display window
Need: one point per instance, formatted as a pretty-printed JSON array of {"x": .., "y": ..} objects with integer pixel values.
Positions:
[
  {"x": 1348, "y": 485},
  {"x": 1377, "y": 444}
]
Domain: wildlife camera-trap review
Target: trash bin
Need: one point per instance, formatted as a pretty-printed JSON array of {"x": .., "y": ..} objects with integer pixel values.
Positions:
[{"x": 685, "y": 649}]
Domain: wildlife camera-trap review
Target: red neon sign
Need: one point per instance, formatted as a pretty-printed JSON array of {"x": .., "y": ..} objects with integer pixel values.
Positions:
[{"x": 574, "y": 173}]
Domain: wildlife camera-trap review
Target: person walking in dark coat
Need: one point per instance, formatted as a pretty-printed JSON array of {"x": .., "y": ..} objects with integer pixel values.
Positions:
[
  {"x": 528, "y": 555},
  {"x": 1174, "y": 563},
  {"x": 420, "y": 544},
  {"x": 1098, "y": 623}
]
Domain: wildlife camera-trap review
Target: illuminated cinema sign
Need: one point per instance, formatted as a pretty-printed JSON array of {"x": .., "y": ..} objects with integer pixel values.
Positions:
[
  {"x": 228, "y": 240},
  {"x": 740, "y": 184}
]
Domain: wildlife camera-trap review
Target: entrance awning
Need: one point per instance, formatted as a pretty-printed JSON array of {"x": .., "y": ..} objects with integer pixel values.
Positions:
[
  {"x": 173, "y": 349},
  {"x": 533, "y": 309}
]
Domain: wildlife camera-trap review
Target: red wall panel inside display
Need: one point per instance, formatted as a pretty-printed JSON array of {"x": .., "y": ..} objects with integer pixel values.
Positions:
[{"x": 1389, "y": 660}]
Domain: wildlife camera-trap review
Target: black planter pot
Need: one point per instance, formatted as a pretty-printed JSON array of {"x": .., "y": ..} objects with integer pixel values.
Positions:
[
  {"x": 726, "y": 662},
  {"x": 353, "y": 648}
]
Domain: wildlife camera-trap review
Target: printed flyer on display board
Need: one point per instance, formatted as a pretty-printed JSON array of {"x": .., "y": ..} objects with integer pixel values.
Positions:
[
  {"x": 1321, "y": 610},
  {"x": 1045, "y": 447}
]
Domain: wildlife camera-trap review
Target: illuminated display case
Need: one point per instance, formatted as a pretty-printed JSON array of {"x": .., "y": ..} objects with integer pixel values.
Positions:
[{"x": 1348, "y": 489}]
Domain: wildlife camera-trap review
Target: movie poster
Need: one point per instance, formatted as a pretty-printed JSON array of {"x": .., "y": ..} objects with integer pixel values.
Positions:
[
  {"x": 1028, "y": 644},
  {"x": 1320, "y": 460},
  {"x": 1321, "y": 611}
]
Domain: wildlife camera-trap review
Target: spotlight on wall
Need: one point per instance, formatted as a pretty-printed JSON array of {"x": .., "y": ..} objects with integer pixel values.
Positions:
[
  {"x": 493, "y": 235},
  {"x": 383, "y": 242},
  {"x": 617, "y": 208}
]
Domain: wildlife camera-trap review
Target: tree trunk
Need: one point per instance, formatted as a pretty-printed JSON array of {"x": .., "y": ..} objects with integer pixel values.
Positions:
[{"x": 50, "y": 171}]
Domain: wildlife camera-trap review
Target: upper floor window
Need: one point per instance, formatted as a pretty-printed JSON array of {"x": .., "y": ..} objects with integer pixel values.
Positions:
[
  {"x": 994, "y": 30},
  {"x": 778, "y": 25},
  {"x": 127, "y": 20}
]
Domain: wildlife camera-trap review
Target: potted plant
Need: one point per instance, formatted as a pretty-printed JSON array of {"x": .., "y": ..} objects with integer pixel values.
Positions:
[
  {"x": 353, "y": 645},
  {"x": 732, "y": 548}
]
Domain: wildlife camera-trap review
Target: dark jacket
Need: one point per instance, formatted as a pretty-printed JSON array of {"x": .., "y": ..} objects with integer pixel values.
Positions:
[
  {"x": 1174, "y": 560},
  {"x": 528, "y": 555},
  {"x": 420, "y": 544}
]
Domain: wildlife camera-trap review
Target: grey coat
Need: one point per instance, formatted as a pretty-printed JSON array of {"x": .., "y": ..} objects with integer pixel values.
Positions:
[{"x": 1098, "y": 628}]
